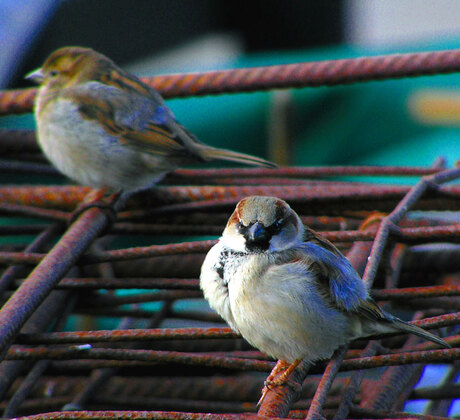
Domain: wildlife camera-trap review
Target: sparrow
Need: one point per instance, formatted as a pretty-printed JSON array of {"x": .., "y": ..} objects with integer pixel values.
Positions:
[
  {"x": 288, "y": 291},
  {"x": 103, "y": 127}
]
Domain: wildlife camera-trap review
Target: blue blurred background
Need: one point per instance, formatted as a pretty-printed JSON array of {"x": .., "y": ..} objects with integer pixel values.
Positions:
[{"x": 401, "y": 122}]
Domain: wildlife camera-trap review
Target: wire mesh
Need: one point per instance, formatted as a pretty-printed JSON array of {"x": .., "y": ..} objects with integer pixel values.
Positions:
[{"x": 95, "y": 324}]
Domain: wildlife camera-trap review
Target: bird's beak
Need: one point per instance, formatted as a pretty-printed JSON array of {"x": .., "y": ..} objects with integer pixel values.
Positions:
[
  {"x": 36, "y": 76},
  {"x": 257, "y": 233}
]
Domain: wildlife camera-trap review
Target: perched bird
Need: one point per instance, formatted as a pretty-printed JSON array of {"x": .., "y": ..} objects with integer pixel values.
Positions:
[
  {"x": 103, "y": 127},
  {"x": 288, "y": 291}
]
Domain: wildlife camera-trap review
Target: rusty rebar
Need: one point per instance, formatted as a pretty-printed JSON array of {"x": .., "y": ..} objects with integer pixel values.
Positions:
[
  {"x": 365, "y": 413},
  {"x": 410, "y": 235},
  {"x": 352, "y": 388},
  {"x": 433, "y": 392},
  {"x": 127, "y": 335},
  {"x": 203, "y": 210},
  {"x": 101, "y": 376},
  {"x": 54, "y": 266},
  {"x": 395, "y": 383},
  {"x": 35, "y": 212},
  {"x": 442, "y": 407},
  {"x": 135, "y": 415},
  {"x": 389, "y": 223},
  {"x": 304, "y": 172},
  {"x": 316, "y": 406},
  {"x": 39, "y": 244},
  {"x": 128, "y": 283},
  {"x": 39, "y": 368},
  {"x": 40, "y": 320},
  {"x": 416, "y": 292},
  {"x": 166, "y": 200},
  {"x": 150, "y": 334},
  {"x": 320, "y": 73},
  {"x": 152, "y": 356}
]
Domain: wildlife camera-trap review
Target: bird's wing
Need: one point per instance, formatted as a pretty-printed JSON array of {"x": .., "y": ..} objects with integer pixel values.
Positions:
[
  {"x": 341, "y": 285},
  {"x": 338, "y": 281},
  {"x": 138, "y": 121},
  {"x": 310, "y": 236}
]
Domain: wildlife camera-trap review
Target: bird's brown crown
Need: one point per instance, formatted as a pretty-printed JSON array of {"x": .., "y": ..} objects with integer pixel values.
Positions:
[
  {"x": 262, "y": 223},
  {"x": 265, "y": 210},
  {"x": 74, "y": 64}
]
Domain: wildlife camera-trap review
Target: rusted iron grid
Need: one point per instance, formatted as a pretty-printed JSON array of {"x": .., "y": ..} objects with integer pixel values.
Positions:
[
  {"x": 165, "y": 355},
  {"x": 320, "y": 73}
]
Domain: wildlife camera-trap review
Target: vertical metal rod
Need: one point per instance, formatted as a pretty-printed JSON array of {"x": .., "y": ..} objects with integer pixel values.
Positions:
[
  {"x": 393, "y": 384},
  {"x": 40, "y": 367},
  {"x": 17, "y": 271},
  {"x": 353, "y": 386},
  {"x": 398, "y": 213},
  {"x": 45, "y": 315},
  {"x": 47, "y": 274},
  {"x": 314, "y": 413}
]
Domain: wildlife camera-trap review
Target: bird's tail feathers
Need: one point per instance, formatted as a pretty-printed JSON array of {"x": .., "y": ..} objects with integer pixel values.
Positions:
[
  {"x": 211, "y": 153},
  {"x": 399, "y": 325}
]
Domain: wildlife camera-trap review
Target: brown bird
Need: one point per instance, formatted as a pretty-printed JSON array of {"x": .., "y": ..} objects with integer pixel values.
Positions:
[
  {"x": 103, "y": 127},
  {"x": 288, "y": 291}
]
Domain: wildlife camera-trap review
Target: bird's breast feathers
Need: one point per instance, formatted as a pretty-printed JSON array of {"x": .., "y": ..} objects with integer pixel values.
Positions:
[
  {"x": 272, "y": 299},
  {"x": 83, "y": 150}
]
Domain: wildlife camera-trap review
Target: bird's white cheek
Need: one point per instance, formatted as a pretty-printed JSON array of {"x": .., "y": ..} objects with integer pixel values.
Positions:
[{"x": 235, "y": 242}]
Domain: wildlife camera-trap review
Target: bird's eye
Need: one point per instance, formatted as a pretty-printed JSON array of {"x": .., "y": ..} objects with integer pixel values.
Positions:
[
  {"x": 241, "y": 227},
  {"x": 53, "y": 73},
  {"x": 275, "y": 228}
]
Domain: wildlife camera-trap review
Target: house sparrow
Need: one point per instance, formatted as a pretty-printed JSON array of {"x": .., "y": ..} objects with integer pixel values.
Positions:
[
  {"x": 105, "y": 128},
  {"x": 289, "y": 292}
]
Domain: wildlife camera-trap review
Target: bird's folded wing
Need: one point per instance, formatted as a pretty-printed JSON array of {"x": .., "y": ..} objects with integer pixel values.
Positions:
[
  {"x": 135, "y": 121},
  {"x": 369, "y": 309},
  {"x": 337, "y": 280}
]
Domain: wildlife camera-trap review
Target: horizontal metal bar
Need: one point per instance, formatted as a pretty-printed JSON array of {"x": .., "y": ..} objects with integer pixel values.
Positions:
[{"x": 311, "y": 74}]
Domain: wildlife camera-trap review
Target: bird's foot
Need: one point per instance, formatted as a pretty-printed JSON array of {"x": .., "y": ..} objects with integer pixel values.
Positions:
[
  {"x": 100, "y": 199},
  {"x": 280, "y": 376}
]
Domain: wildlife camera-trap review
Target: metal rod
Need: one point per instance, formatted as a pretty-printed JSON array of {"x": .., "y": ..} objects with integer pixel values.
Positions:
[
  {"x": 43, "y": 278},
  {"x": 320, "y": 73}
]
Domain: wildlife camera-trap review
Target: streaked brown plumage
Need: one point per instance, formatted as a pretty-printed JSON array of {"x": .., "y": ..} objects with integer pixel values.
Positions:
[
  {"x": 103, "y": 127},
  {"x": 287, "y": 290}
]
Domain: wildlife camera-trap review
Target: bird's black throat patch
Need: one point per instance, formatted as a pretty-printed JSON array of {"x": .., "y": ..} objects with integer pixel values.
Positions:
[{"x": 227, "y": 256}]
